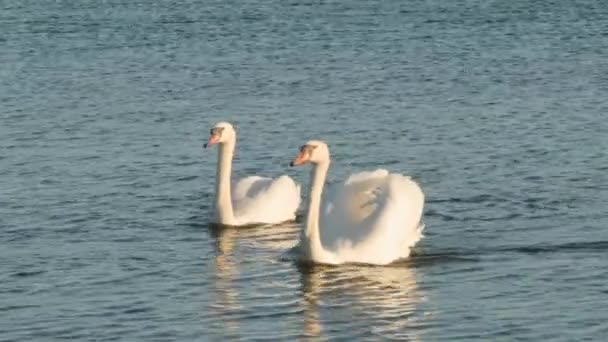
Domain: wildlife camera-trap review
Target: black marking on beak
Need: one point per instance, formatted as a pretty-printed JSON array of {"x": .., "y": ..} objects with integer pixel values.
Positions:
[{"x": 291, "y": 163}]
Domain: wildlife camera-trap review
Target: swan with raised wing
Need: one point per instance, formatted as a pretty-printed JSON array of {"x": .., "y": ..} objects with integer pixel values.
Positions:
[
  {"x": 374, "y": 217},
  {"x": 254, "y": 199}
]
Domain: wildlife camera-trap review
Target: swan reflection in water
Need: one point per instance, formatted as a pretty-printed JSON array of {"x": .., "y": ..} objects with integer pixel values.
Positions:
[
  {"x": 261, "y": 243},
  {"x": 226, "y": 306},
  {"x": 361, "y": 301},
  {"x": 364, "y": 302}
]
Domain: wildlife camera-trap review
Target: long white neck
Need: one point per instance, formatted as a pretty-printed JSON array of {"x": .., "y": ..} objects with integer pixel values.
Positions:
[
  {"x": 223, "y": 199},
  {"x": 310, "y": 239}
]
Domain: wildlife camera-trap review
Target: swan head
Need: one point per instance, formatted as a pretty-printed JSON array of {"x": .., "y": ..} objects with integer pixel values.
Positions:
[
  {"x": 221, "y": 133},
  {"x": 314, "y": 151}
]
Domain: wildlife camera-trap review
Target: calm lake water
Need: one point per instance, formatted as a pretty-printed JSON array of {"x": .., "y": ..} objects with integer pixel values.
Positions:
[{"x": 497, "y": 108}]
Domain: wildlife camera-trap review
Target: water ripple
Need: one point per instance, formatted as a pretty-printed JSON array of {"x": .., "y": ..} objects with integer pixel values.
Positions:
[{"x": 496, "y": 108}]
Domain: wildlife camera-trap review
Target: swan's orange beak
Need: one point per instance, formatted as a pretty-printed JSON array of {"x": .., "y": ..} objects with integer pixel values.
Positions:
[
  {"x": 213, "y": 139},
  {"x": 300, "y": 159}
]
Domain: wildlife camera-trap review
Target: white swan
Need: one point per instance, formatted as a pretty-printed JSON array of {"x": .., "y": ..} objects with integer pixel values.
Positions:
[
  {"x": 254, "y": 199},
  {"x": 373, "y": 218}
]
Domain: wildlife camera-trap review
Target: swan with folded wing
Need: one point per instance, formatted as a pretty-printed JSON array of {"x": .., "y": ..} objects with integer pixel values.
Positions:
[{"x": 254, "y": 199}]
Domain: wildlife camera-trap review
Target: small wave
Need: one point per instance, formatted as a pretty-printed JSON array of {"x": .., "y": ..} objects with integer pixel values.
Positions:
[
  {"x": 22, "y": 274},
  {"x": 471, "y": 255},
  {"x": 592, "y": 246},
  {"x": 19, "y": 307}
]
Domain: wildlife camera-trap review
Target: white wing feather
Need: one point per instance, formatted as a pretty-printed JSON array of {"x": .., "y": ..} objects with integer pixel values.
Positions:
[
  {"x": 249, "y": 187},
  {"x": 265, "y": 200},
  {"x": 374, "y": 217}
]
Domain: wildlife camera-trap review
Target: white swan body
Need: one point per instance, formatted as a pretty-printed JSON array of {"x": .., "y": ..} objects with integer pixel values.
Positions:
[
  {"x": 372, "y": 218},
  {"x": 254, "y": 199}
]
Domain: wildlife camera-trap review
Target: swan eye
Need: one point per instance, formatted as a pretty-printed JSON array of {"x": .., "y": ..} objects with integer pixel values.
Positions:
[
  {"x": 216, "y": 131},
  {"x": 307, "y": 149}
]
